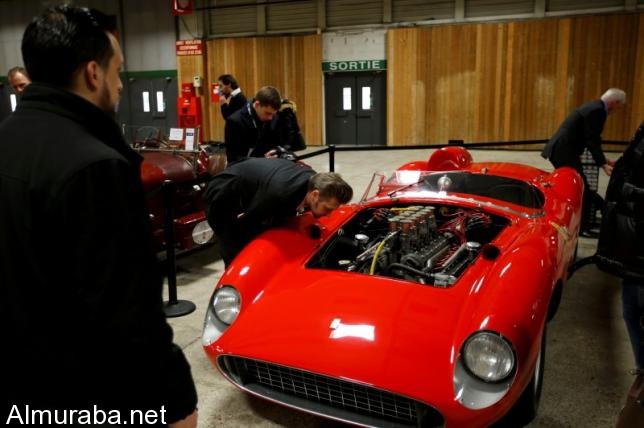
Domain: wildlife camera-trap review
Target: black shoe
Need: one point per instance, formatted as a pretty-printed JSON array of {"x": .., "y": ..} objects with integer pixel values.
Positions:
[{"x": 589, "y": 234}]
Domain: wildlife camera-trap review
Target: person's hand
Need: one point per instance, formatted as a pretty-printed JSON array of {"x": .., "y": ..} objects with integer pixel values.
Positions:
[
  {"x": 271, "y": 154},
  {"x": 610, "y": 162},
  {"x": 608, "y": 169},
  {"x": 189, "y": 421}
]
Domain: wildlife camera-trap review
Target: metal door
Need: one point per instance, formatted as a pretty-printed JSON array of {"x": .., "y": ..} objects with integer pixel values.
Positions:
[
  {"x": 355, "y": 108},
  {"x": 150, "y": 102}
]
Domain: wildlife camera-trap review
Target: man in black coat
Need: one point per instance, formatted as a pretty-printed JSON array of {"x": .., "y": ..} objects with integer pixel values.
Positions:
[
  {"x": 620, "y": 249},
  {"x": 255, "y": 194},
  {"x": 247, "y": 130},
  {"x": 232, "y": 98},
  {"x": 580, "y": 130},
  {"x": 81, "y": 317}
]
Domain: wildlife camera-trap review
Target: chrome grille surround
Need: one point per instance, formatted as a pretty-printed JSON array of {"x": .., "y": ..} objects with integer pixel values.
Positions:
[{"x": 330, "y": 397}]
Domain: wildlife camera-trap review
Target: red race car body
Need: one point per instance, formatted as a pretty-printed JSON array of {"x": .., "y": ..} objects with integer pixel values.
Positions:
[
  {"x": 423, "y": 305},
  {"x": 188, "y": 172}
]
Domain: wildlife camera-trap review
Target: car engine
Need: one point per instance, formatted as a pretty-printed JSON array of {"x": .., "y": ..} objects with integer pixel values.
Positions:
[{"x": 426, "y": 244}]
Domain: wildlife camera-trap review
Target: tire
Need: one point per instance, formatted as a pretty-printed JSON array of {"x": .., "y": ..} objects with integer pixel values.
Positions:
[{"x": 525, "y": 409}]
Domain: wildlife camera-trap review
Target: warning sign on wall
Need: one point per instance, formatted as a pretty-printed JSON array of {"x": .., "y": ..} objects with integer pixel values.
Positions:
[{"x": 189, "y": 47}]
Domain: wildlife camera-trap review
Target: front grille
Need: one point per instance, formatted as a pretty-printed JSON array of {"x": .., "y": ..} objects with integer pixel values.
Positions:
[{"x": 328, "y": 396}]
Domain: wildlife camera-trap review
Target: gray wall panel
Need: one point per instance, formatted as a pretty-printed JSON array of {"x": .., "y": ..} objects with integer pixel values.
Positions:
[
  {"x": 149, "y": 36},
  {"x": 233, "y": 20},
  {"x": 299, "y": 15},
  {"x": 353, "y": 12},
  {"x": 14, "y": 17},
  {"x": 563, "y": 5},
  {"x": 487, "y": 8},
  {"x": 421, "y": 10}
]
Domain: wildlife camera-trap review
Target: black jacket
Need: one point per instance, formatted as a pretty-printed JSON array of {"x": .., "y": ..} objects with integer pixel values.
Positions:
[
  {"x": 620, "y": 249},
  {"x": 284, "y": 131},
  {"x": 250, "y": 196},
  {"x": 244, "y": 133},
  {"x": 266, "y": 191},
  {"x": 81, "y": 315},
  {"x": 236, "y": 102},
  {"x": 581, "y": 129}
]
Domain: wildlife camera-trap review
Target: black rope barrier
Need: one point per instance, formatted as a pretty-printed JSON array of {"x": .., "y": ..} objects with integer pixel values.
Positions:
[{"x": 331, "y": 149}]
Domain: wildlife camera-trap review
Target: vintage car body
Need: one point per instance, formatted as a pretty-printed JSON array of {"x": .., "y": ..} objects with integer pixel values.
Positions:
[
  {"x": 425, "y": 305},
  {"x": 188, "y": 173}
]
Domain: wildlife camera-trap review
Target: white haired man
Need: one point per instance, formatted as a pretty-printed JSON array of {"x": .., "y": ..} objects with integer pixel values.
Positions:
[{"x": 581, "y": 130}]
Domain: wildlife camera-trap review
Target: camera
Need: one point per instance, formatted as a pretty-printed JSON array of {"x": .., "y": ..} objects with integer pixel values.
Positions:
[{"x": 282, "y": 153}]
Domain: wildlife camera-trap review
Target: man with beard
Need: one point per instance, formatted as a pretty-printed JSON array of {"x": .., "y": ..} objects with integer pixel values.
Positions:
[
  {"x": 81, "y": 314},
  {"x": 581, "y": 130},
  {"x": 255, "y": 194}
]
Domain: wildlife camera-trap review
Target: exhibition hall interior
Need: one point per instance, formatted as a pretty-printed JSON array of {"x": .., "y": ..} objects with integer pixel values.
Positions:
[{"x": 322, "y": 213}]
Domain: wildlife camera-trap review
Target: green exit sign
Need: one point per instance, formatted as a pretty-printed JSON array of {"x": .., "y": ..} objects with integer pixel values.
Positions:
[{"x": 355, "y": 65}]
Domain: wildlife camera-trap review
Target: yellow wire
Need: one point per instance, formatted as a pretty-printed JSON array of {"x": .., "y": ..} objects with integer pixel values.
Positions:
[{"x": 377, "y": 253}]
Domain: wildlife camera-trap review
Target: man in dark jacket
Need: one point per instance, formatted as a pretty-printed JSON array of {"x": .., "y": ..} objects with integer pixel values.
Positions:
[
  {"x": 81, "y": 316},
  {"x": 255, "y": 194},
  {"x": 620, "y": 249},
  {"x": 247, "y": 130},
  {"x": 582, "y": 129},
  {"x": 232, "y": 98}
]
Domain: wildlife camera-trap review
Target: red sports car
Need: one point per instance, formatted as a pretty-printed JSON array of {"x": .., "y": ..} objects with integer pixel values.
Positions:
[{"x": 424, "y": 305}]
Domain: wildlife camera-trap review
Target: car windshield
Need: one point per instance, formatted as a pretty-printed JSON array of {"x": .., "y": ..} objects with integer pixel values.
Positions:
[{"x": 476, "y": 184}]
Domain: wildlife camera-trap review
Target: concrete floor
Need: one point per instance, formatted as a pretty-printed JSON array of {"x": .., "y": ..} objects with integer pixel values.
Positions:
[{"x": 588, "y": 353}]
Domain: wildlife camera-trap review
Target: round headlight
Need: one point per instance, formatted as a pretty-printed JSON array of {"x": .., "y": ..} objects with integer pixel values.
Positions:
[
  {"x": 202, "y": 233},
  {"x": 226, "y": 304},
  {"x": 488, "y": 356}
]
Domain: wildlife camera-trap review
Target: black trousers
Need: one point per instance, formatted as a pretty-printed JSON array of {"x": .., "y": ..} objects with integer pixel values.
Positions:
[{"x": 233, "y": 237}]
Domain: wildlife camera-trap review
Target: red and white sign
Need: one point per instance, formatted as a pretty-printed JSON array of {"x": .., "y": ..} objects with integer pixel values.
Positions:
[
  {"x": 189, "y": 47},
  {"x": 181, "y": 7}
]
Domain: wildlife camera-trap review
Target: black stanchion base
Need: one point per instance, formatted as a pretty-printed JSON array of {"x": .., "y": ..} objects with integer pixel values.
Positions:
[{"x": 178, "y": 308}]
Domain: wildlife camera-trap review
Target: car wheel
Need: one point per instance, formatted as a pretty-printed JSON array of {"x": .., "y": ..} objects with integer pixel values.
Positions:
[{"x": 525, "y": 409}]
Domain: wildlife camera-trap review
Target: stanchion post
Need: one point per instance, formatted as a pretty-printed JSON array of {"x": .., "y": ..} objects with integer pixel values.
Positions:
[
  {"x": 173, "y": 307},
  {"x": 331, "y": 157}
]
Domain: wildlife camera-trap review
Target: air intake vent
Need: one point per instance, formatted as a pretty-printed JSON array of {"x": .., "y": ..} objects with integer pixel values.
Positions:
[{"x": 323, "y": 395}]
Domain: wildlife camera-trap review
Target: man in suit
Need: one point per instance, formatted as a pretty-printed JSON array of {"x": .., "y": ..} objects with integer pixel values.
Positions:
[
  {"x": 255, "y": 194},
  {"x": 582, "y": 130},
  {"x": 232, "y": 98},
  {"x": 247, "y": 130}
]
